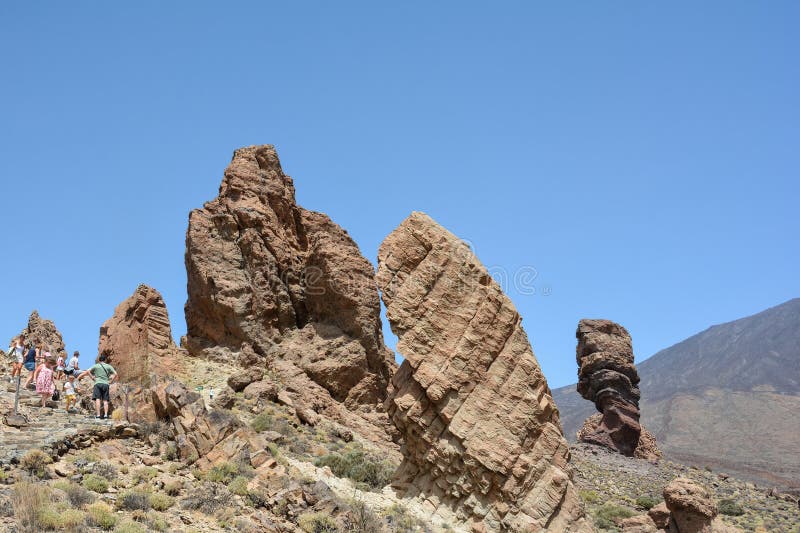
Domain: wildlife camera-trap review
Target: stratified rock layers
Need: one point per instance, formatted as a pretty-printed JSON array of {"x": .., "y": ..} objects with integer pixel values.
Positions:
[
  {"x": 480, "y": 431},
  {"x": 138, "y": 332},
  {"x": 608, "y": 377},
  {"x": 263, "y": 271}
]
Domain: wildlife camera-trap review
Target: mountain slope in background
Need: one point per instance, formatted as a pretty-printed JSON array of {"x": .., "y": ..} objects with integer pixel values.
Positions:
[{"x": 728, "y": 397}]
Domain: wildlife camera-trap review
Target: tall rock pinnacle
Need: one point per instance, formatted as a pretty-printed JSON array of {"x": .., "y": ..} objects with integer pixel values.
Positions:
[{"x": 267, "y": 276}]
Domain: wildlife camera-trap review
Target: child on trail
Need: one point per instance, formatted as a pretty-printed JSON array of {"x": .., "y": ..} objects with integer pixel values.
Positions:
[
  {"x": 72, "y": 366},
  {"x": 103, "y": 374},
  {"x": 44, "y": 379},
  {"x": 70, "y": 398},
  {"x": 60, "y": 367},
  {"x": 19, "y": 357}
]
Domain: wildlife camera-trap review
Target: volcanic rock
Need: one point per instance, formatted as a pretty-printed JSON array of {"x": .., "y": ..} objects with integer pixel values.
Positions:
[
  {"x": 481, "y": 435},
  {"x": 287, "y": 282},
  {"x": 607, "y": 377},
  {"x": 137, "y": 335},
  {"x": 646, "y": 448},
  {"x": 44, "y": 331},
  {"x": 692, "y": 508}
]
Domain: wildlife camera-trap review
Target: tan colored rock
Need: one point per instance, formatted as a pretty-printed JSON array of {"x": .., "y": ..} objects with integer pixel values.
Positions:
[
  {"x": 45, "y": 332},
  {"x": 481, "y": 435},
  {"x": 660, "y": 515},
  {"x": 286, "y": 282},
  {"x": 647, "y": 448},
  {"x": 137, "y": 336},
  {"x": 638, "y": 524},
  {"x": 693, "y": 509}
]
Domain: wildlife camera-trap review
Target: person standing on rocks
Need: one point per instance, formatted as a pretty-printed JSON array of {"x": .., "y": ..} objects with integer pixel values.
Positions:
[
  {"x": 30, "y": 362},
  {"x": 44, "y": 379},
  {"x": 72, "y": 365},
  {"x": 19, "y": 357},
  {"x": 103, "y": 374}
]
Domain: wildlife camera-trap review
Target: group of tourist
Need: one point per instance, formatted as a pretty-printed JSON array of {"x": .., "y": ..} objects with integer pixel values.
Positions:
[{"x": 51, "y": 375}]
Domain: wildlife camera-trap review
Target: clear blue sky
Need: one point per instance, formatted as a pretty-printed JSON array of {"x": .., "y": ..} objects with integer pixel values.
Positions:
[{"x": 641, "y": 156}]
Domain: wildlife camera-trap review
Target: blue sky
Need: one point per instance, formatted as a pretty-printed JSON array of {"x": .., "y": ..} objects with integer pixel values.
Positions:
[{"x": 641, "y": 157}]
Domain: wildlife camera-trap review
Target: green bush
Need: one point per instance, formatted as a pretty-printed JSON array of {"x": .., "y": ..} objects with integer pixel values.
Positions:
[
  {"x": 48, "y": 519},
  {"x": 222, "y": 473},
  {"x": 646, "y": 502},
  {"x": 730, "y": 508},
  {"x": 156, "y": 522},
  {"x": 133, "y": 500},
  {"x": 239, "y": 485},
  {"x": 130, "y": 527},
  {"x": 95, "y": 483},
  {"x": 613, "y": 513},
  {"x": 262, "y": 422},
  {"x": 70, "y": 519},
  {"x": 161, "y": 502},
  {"x": 359, "y": 466},
  {"x": 101, "y": 515},
  {"x": 106, "y": 470},
  {"x": 144, "y": 474},
  {"x": 589, "y": 496},
  {"x": 78, "y": 496},
  {"x": 317, "y": 523}
]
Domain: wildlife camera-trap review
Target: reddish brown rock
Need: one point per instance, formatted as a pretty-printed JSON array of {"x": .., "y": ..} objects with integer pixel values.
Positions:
[
  {"x": 646, "y": 448},
  {"x": 481, "y": 435},
  {"x": 286, "y": 282},
  {"x": 137, "y": 336},
  {"x": 608, "y": 377},
  {"x": 45, "y": 332}
]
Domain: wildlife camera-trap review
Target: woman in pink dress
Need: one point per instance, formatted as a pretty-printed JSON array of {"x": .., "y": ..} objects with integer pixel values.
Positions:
[{"x": 44, "y": 379}]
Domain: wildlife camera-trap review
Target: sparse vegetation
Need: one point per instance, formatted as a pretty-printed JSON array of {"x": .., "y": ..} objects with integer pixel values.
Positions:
[
  {"x": 208, "y": 497},
  {"x": 730, "y": 508},
  {"x": 401, "y": 520},
  {"x": 144, "y": 474},
  {"x": 105, "y": 469},
  {"x": 317, "y": 523},
  {"x": 160, "y": 502},
  {"x": 239, "y": 485},
  {"x": 35, "y": 462},
  {"x": 590, "y": 496},
  {"x": 607, "y": 516},
  {"x": 95, "y": 483},
  {"x": 359, "y": 466},
  {"x": 28, "y": 499},
  {"x": 100, "y": 515},
  {"x": 262, "y": 422},
  {"x": 646, "y": 502}
]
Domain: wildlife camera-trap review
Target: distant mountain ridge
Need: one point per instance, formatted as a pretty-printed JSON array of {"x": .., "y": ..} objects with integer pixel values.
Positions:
[{"x": 728, "y": 397}]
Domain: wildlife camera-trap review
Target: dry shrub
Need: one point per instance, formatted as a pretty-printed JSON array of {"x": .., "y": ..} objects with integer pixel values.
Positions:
[{"x": 29, "y": 499}]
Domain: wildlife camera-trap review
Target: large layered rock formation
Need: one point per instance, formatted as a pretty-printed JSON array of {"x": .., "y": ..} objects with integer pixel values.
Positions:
[
  {"x": 608, "y": 377},
  {"x": 480, "y": 432},
  {"x": 138, "y": 335},
  {"x": 44, "y": 331},
  {"x": 692, "y": 509},
  {"x": 273, "y": 280},
  {"x": 646, "y": 448}
]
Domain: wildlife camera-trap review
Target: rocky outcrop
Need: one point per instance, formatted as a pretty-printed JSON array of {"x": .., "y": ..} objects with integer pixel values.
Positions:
[
  {"x": 692, "y": 509},
  {"x": 608, "y": 377},
  {"x": 286, "y": 282},
  {"x": 481, "y": 435},
  {"x": 646, "y": 448},
  {"x": 137, "y": 335},
  {"x": 44, "y": 331}
]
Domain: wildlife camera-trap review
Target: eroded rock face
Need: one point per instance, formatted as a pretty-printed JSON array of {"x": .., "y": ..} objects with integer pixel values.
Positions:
[
  {"x": 480, "y": 432},
  {"x": 44, "y": 331},
  {"x": 263, "y": 271},
  {"x": 692, "y": 508},
  {"x": 137, "y": 335},
  {"x": 646, "y": 448},
  {"x": 608, "y": 377}
]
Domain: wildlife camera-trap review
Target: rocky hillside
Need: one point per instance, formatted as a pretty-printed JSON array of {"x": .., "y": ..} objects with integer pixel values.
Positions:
[{"x": 727, "y": 397}]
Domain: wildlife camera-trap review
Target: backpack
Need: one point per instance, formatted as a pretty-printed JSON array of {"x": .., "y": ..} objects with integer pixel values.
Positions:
[{"x": 56, "y": 395}]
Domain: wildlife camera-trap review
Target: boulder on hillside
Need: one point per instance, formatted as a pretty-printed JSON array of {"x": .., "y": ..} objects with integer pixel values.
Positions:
[
  {"x": 692, "y": 508},
  {"x": 480, "y": 434}
]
